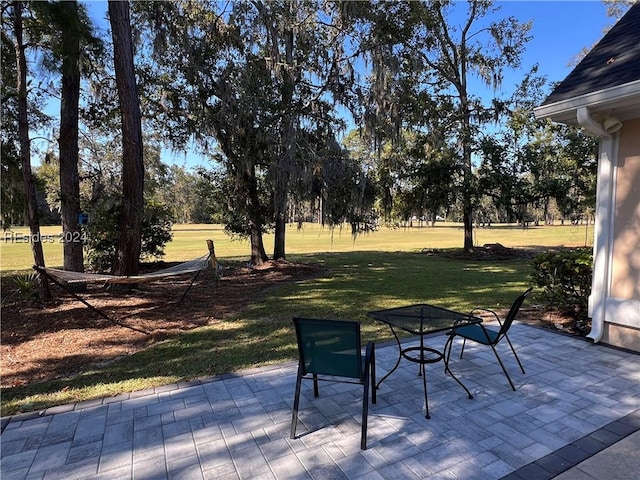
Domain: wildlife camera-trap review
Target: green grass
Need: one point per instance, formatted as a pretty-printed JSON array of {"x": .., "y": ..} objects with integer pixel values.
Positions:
[
  {"x": 380, "y": 270},
  {"x": 189, "y": 241}
]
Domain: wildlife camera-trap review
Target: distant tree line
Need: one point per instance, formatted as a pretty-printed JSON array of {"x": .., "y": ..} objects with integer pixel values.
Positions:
[{"x": 262, "y": 91}]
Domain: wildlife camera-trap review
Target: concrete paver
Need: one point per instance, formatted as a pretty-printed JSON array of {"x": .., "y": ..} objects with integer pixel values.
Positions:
[{"x": 575, "y": 400}]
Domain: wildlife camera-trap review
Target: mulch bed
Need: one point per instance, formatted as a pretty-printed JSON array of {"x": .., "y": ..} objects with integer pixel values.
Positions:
[{"x": 41, "y": 342}]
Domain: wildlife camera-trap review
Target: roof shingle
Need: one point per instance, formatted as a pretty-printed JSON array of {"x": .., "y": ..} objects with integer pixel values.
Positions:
[{"x": 614, "y": 61}]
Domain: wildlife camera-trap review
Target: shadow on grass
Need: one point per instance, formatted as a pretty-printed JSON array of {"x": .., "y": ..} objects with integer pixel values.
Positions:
[{"x": 353, "y": 284}]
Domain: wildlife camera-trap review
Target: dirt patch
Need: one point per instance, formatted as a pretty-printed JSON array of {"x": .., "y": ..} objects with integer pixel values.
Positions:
[{"x": 41, "y": 342}]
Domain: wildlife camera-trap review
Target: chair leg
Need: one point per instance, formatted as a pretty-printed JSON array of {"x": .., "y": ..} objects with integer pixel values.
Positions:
[
  {"x": 315, "y": 385},
  {"x": 296, "y": 405},
  {"x": 365, "y": 413},
  {"x": 373, "y": 375},
  {"x": 503, "y": 367},
  {"x": 448, "y": 346},
  {"x": 514, "y": 352},
  {"x": 369, "y": 380},
  {"x": 464, "y": 342}
]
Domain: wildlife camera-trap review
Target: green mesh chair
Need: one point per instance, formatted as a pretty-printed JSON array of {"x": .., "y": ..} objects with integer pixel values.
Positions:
[
  {"x": 332, "y": 348},
  {"x": 490, "y": 336}
]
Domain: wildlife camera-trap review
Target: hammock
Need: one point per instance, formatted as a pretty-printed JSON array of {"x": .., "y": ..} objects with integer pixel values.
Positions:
[{"x": 63, "y": 278}]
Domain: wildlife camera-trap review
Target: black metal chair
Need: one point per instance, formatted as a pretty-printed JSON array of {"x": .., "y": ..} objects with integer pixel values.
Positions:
[
  {"x": 333, "y": 348},
  {"x": 490, "y": 336}
]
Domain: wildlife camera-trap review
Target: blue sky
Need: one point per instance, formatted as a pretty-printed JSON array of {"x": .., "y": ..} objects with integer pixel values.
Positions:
[{"x": 561, "y": 29}]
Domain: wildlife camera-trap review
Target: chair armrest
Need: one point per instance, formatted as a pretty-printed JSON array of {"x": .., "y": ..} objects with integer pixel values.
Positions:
[
  {"x": 370, "y": 361},
  {"x": 370, "y": 351},
  {"x": 488, "y": 311}
]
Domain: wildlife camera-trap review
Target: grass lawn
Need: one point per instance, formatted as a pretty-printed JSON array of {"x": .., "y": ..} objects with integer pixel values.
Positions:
[
  {"x": 376, "y": 271},
  {"x": 189, "y": 241}
]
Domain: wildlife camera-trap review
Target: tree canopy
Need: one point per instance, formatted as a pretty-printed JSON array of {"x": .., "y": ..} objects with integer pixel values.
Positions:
[{"x": 366, "y": 113}]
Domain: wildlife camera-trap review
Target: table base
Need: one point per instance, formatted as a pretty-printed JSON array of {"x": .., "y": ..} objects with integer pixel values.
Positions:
[{"x": 425, "y": 355}]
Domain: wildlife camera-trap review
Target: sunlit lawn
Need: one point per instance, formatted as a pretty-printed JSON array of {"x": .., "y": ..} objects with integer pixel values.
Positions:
[
  {"x": 189, "y": 241},
  {"x": 379, "y": 270}
]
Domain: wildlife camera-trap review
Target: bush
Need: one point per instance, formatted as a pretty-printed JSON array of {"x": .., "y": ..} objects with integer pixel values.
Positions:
[
  {"x": 103, "y": 233},
  {"x": 565, "y": 279},
  {"x": 156, "y": 231}
]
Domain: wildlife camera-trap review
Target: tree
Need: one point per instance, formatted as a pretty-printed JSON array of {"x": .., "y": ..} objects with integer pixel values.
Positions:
[
  {"x": 214, "y": 89},
  {"x": 532, "y": 162},
  {"x": 128, "y": 252},
  {"x": 432, "y": 174},
  {"x": 503, "y": 177},
  {"x": 337, "y": 188},
  {"x": 279, "y": 21},
  {"x": 303, "y": 44},
  {"x": 424, "y": 70},
  {"x": 70, "y": 27},
  {"x": 25, "y": 147},
  {"x": 253, "y": 77},
  {"x": 617, "y": 8},
  {"x": 12, "y": 186},
  {"x": 453, "y": 54}
]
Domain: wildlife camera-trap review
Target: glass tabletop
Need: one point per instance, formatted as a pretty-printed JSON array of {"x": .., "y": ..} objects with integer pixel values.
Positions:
[{"x": 423, "y": 318}]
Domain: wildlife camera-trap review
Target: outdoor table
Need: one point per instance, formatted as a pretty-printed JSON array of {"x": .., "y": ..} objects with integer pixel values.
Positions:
[{"x": 421, "y": 320}]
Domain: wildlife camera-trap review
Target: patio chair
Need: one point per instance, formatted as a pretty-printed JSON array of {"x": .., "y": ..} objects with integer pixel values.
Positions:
[
  {"x": 333, "y": 349},
  {"x": 490, "y": 336}
]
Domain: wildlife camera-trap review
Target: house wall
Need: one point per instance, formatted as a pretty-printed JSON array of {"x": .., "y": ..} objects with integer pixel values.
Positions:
[
  {"x": 626, "y": 234},
  {"x": 621, "y": 336},
  {"x": 622, "y": 320}
]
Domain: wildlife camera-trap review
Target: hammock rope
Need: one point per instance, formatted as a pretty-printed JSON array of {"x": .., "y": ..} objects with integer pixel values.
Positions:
[{"x": 64, "y": 278}]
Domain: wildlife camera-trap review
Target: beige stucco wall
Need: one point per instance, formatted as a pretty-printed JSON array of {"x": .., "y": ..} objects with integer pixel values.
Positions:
[
  {"x": 621, "y": 336},
  {"x": 625, "y": 271}
]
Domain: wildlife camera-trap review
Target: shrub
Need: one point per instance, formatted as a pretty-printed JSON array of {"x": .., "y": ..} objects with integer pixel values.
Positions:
[
  {"x": 103, "y": 233},
  {"x": 565, "y": 279},
  {"x": 156, "y": 231}
]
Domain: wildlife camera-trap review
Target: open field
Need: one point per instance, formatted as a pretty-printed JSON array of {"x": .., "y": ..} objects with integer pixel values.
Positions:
[{"x": 189, "y": 241}]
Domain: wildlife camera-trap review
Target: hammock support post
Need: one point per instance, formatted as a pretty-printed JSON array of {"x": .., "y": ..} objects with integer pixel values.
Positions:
[{"x": 42, "y": 271}]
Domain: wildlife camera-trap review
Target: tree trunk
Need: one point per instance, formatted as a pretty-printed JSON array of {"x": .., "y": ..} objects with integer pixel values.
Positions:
[
  {"x": 467, "y": 206},
  {"x": 286, "y": 160},
  {"x": 128, "y": 252},
  {"x": 68, "y": 141},
  {"x": 25, "y": 151},
  {"x": 467, "y": 172},
  {"x": 280, "y": 200},
  {"x": 250, "y": 183}
]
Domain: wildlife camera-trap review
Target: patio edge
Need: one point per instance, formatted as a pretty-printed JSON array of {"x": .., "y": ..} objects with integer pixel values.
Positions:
[{"x": 576, "y": 452}]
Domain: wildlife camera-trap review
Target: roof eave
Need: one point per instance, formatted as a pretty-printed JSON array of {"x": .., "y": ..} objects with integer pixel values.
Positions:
[{"x": 621, "y": 100}]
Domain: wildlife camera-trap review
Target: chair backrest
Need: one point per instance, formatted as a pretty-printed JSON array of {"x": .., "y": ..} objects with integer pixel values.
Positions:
[
  {"x": 329, "y": 347},
  {"x": 513, "y": 312}
]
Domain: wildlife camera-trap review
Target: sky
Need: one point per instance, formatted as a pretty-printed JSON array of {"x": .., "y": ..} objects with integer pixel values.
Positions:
[{"x": 560, "y": 31}]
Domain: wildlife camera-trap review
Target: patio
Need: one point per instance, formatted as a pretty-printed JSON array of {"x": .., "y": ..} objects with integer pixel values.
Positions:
[{"x": 575, "y": 399}]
